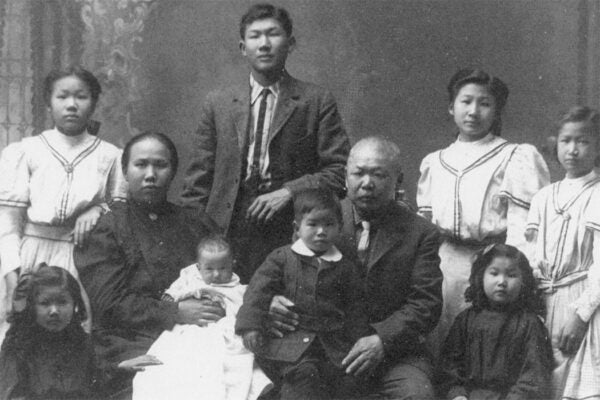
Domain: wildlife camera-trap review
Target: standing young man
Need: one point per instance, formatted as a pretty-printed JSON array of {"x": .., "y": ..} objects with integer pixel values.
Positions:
[{"x": 262, "y": 140}]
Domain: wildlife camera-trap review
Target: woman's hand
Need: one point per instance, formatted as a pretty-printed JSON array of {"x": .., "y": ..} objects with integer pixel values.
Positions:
[
  {"x": 199, "y": 312},
  {"x": 138, "y": 363},
  {"x": 85, "y": 223},
  {"x": 572, "y": 334},
  {"x": 281, "y": 318},
  {"x": 253, "y": 340}
]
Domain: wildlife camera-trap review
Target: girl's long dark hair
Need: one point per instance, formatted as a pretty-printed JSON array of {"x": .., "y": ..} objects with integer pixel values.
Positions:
[
  {"x": 529, "y": 298},
  {"x": 24, "y": 335}
]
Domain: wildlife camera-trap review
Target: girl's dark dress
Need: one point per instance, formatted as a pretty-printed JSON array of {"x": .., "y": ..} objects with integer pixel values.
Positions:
[
  {"x": 503, "y": 354},
  {"x": 55, "y": 366}
]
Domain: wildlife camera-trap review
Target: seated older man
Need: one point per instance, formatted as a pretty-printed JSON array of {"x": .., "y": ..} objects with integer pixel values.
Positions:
[{"x": 398, "y": 251}]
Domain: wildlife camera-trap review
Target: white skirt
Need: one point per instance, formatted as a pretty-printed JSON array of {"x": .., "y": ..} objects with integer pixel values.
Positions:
[
  {"x": 576, "y": 377},
  {"x": 456, "y": 268},
  {"x": 199, "y": 363}
]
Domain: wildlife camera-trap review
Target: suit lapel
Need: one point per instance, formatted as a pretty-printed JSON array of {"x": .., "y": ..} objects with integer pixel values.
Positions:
[
  {"x": 241, "y": 115},
  {"x": 388, "y": 235},
  {"x": 348, "y": 237},
  {"x": 286, "y": 105}
]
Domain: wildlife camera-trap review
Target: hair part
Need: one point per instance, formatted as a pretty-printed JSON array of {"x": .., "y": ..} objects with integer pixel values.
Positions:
[
  {"x": 151, "y": 135},
  {"x": 214, "y": 244},
  {"x": 320, "y": 199},
  {"x": 529, "y": 298},
  {"x": 78, "y": 71},
  {"x": 494, "y": 85},
  {"x": 264, "y": 11}
]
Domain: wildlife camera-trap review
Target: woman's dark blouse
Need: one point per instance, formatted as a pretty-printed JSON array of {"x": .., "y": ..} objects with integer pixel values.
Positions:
[
  {"x": 129, "y": 260},
  {"x": 507, "y": 352}
]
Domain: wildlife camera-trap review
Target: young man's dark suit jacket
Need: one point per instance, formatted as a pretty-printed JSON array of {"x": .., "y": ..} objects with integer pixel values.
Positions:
[
  {"x": 308, "y": 146},
  {"x": 403, "y": 282}
]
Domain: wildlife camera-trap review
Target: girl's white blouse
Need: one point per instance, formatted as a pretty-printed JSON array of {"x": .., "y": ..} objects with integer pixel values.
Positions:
[
  {"x": 475, "y": 190},
  {"x": 54, "y": 178},
  {"x": 566, "y": 217}
]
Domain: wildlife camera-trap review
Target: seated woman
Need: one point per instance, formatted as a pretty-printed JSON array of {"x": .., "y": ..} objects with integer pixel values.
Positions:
[{"x": 135, "y": 252}]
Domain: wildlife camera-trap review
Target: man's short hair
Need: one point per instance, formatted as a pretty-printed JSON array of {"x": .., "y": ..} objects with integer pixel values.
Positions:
[
  {"x": 385, "y": 147},
  {"x": 264, "y": 11}
]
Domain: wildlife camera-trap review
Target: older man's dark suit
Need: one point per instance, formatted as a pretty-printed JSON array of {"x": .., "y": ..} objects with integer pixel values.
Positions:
[
  {"x": 403, "y": 280},
  {"x": 307, "y": 144}
]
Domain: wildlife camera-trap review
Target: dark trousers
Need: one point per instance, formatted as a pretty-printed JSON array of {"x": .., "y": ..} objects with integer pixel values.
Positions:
[
  {"x": 407, "y": 379},
  {"x": 312, "y": 377},
  {"x": 252, "y": 243}
]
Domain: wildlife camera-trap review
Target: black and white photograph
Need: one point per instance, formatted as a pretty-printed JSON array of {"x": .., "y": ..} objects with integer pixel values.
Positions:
[{"x": 300, "y": 199}]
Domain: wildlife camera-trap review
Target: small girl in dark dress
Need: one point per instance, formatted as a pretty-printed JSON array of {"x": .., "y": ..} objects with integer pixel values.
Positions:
[
  {"x": 498, "y": 348},
  {"x": 46, "y": 353}
]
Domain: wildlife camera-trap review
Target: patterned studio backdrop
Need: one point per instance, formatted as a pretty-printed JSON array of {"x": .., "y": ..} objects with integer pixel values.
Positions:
[
  {"x": 386, "y": 61},
  {"x": 39, "y": 35}
]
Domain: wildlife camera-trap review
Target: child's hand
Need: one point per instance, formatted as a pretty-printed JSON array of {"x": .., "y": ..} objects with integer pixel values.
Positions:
[
  {"x": 211, "y": 295},
  {"x": 85, "y": 223},
  {"x": 253, "y": 340},
  {"x": 137, "y": 364},
  {"x": 572, "y": 334}
]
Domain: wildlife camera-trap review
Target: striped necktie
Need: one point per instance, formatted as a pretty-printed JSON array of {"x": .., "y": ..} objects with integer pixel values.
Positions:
[
  {"x": 258, "y": 134},
  {"x": 363, "y": 241}
]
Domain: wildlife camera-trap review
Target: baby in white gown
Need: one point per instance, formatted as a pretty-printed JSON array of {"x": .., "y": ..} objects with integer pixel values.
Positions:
[{"x": 203, "y": 361}]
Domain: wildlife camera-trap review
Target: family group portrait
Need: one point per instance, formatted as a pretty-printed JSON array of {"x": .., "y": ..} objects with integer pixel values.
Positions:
[{"x": 300, "y": 199}]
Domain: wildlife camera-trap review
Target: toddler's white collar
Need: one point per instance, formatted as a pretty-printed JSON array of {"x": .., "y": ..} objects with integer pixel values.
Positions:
[{"x": 331, "y": 255}]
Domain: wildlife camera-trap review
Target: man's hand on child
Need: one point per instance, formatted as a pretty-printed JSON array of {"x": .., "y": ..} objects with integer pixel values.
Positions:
[
  {"x": 281, "y": 319},
  {"x": 572, "y": 334},
  {"x": 253, "y": 340},
  {"x": 139, "y": 363}
]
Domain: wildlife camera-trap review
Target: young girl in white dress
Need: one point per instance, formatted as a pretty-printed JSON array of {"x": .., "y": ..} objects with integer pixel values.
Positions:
[
  {"x": 564, "y": 228},
  {"x": 54, "y": 186},
  {"x": 478, "y": 189}
]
